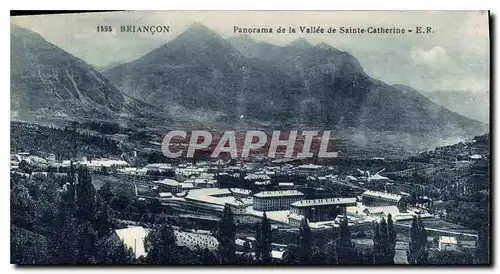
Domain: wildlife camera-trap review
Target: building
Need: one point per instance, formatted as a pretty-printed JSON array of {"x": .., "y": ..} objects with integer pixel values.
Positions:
[
  {"x": 447, "y": 243},
  {"x": 98, "y": 164},
  {"x": 309, "y": 169},
  {"x": 165, "y": 195},
  {"x": 185, "y": 172},
  {"x": 319, "y": 210},
  {"x": 380, "y": 212},
  {"x": 276, "y": 200},
  {"x": 216, "y": 198},
  {"x": 377, "y": 198},
  {"x": 286, "y": 185},
  {"x": 159, "y": 167},
  {"x": 238, "y": 206},
  {"x": 173, "y": 186},
  {"x": 257, "y": 177},
  {"x": 204, "y": 183}
]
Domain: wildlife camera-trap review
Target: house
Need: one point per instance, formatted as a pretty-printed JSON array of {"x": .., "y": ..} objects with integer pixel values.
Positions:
[
  {"x": 382, "y": 211},
  {"x": 447, "y": 243},
  {"x": 98, "y": 164},
  {"x": 169, "y": 185}
]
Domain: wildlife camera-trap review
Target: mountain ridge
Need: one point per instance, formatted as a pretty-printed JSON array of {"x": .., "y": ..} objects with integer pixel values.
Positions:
[
  {"x": 47, "y": 81},
  {"x": 287, "y": 86}
]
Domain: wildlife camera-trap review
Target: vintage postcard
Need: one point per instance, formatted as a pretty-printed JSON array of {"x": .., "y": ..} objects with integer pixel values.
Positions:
[{"x": 250, "y": 138}]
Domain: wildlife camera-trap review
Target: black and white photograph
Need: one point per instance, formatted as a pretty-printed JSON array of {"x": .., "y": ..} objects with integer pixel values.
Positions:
[{"x": 292, "y": 138}]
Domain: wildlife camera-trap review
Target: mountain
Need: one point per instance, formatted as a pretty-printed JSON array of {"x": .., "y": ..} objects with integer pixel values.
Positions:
[
  {"x": 242, "y": 81},
  {"x": 471, "y": 104},
  {"x": 48, "y": 81}
]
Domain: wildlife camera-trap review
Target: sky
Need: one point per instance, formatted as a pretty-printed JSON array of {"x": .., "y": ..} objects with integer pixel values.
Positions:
[{"x": 454, "y": 57}]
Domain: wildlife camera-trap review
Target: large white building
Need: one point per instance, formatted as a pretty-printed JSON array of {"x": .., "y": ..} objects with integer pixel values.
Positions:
[
  {"x": 276, "y": 200},
  {"x": 319, "y": 210},
  {"x": 97, "y": 164}
]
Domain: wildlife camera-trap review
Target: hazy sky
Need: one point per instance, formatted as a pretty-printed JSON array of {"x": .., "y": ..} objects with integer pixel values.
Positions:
[{"x": 455, "y": 56}]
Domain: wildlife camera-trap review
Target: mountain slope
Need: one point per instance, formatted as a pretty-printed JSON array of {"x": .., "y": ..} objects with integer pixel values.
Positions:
[
  {"x": 47, "y": 81},
  {"x": 295, "y": 86},
  {"x": 475, "y": 105}
]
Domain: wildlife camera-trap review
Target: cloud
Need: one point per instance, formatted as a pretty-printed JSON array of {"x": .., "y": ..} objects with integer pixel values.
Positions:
[{"x": 436, "y": 56}]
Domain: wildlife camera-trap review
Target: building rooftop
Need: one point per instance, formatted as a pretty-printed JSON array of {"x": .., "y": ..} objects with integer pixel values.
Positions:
[
  {"x": 159, "y": 166},
  {"x": 240, "y": 191},
  {"x": 260, "y": 177},
  {"x": 376, "y": 177},
  {"x": 328, "y": 201},
  {"x": 165, "y": 194},
  {"x": 168, "y": 182},
  {"x": 133, "y": 237},
  {"x": 279, "y": 193},
  {"x": 383, "y": 195},
  {"x": 187, "y": 185},
  {"x": 310, "y": 167},
  {"x": 277, "y": 254},
  {"x": 393, "y": 210},
  {"x": 104, "y": 163},
  {"x": 216, "y": 196},
  {"x": 447, "y": 240}
]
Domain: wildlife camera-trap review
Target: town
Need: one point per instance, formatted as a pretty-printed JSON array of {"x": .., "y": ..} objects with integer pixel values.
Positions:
[{"x": 194, "y": 196}]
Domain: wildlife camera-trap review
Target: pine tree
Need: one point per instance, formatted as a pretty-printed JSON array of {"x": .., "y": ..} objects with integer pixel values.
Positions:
[
  {"x": 258, "y": 242},
  {"x": 345, "y": 248},
  {"x": 86, "y": 243},
  {"x": 64, "y": 236},
  {"x": 331, "y": 256},
  {"x": 383, "y": 239},
  {"x": 417, "y": 247},
  {"x": 102, "y": 220},
  {"x": 108, "y": 252},
  {"x": 160, "y": 245},
  {"x": 85, "y": 195},
  {"x": 226, "y": 235},
  {"x": 377, "y": 245},
  {"x": 291, "y": 254},
  {"x": 64, "y": 239},
  {"x": 391, "y": 239},
  {"x": 104, "y": 194},
  {"x": 423, "y": 241},
  {"x": 304, "y": 243},
  {"x": 482, "y": 253},
  {"x": 264, "y": 239}
]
